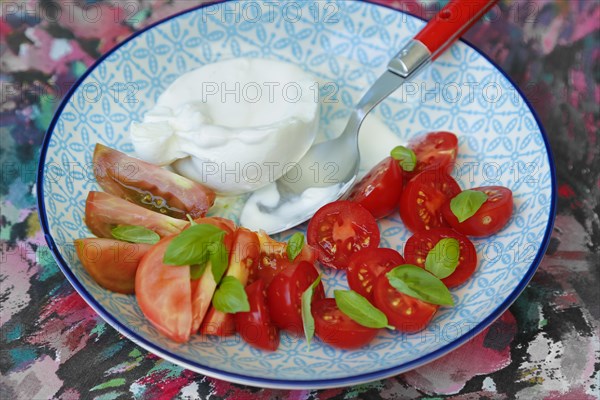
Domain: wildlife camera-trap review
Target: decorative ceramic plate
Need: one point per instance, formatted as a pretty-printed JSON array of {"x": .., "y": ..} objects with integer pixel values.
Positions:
[{"x": 348, "y": 44}]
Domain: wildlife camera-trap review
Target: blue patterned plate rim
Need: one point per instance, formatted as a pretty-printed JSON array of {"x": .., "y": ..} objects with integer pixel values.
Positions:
[{"x": 282, "y": 383}]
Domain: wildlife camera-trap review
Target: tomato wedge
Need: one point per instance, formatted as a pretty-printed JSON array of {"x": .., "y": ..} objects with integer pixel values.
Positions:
[
  {"x": 163, "y": 293},
  {"x": 242, "y": 260},
  {"x": 340, "y": 229},
  {"x": 434, "y": 150},
  {"x": 255, "y": 326},
  {"x": 491, "y": 217},
  {"x": 418, "y": 246},
  {"x": 285, "y": 292},
  {"x": 379, "y": 191},
  {"x": 335, "y": 328},
  {"x": 423, "y": 197},
  {"x": 204, "y": 287},
  {"x": 150, "y": 186},
  {"x": 111, "y": 263},
  {"x": 104, "y": 211},
  {"x": 405, "y": 313},
  {"x": 273, "y": 258},
  {"x": 365, "y": 266}
]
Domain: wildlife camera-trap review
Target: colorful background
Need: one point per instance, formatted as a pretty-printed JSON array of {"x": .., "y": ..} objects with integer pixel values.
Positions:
[{"x": 545, "y": 347}]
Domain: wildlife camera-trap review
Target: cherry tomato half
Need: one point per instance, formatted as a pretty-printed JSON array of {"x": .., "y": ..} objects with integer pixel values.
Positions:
[
  {"x": 365, "y": 266},
  {"x": 434, "y": 150},
  {"x": 255, "y": 326},
  {"x": 418, "y": 246},
  {"x": 273, "y": 258},
  {"x": 379, "y": 191},
  {"x": 491, "y": 217},
  {"x": 405, "y": 313},
  {"x": 423, "y": 197},
  {"x": 335, "y": 328},
  {"x": 340, "y": 229},
  {"x": 284, "y": 295}
]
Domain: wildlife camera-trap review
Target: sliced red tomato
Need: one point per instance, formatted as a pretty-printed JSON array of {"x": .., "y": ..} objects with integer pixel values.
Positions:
[
  {"x": 340, "y": 229},
  {"x": 491, "y": 217},
  {"x": 274, "y": 259},
  {"x": 204, "y": 287},
  {"x": 163, "y": 293},
  {"x": 111, "y": 263},
  {"x": 335, "y": 328},
  {"x": 150, "y": 186},
  {"x": 434, "y": 150},
  {"x": 104, "y": 211},
  {"x": 285, "y": 292},
  {"x": 379, "y": 191},
  {"x": 420, "y": 244},
  {"x": 405, "y": 313},
  {"x": 255, "y": 326},
  {"x": 365, "y": 266},
  {"x": 243, "y": 259},
  {"x": 423, "y": 197}
]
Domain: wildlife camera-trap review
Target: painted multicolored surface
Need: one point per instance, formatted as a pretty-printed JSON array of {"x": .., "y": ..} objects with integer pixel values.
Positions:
[{"x": 547, "y": 346}]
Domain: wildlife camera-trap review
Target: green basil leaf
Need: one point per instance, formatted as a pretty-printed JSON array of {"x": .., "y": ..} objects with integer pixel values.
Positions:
[
  {"x": 197, "y": 270},
  {"x": 405, "y": 156},
  {"x": 230, "y": 297},
  {"x": 466, "y": 204},
  {"x": 219, "y": 260},
  {"x": 294, "y": 245},
  {"x": 442, "y": 260},
  {"x": 308, "y": 322},
  {"x": 191, "y": 246},
  {"x": 134, "y": 234},
  {"x": 420, "y": 284},
  {"x": 359, "y": 309}
]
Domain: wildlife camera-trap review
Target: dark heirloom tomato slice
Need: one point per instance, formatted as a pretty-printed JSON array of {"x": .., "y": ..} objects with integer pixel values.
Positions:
[
  {"x": 104, "y": 211},
  {"x": 379, "y": 191},
  {"x": 434, "y": 150},
  {"x": 418, "y": 246},
  {"x": 150, "y": 186},
  {"x": 335, "y": 328},
  {"x": 285, "y": 292},
  {"x": 405, "y": 313},
  {"x": 365, "y": 266},
  {"x": 273, "y": 258},
  {"x": 423, "y": 197},
  {"x": 243, "y": 260},
  {"x": 111, "y": 263},
  {"x": 340, "y": 229},
  {"x": 163, "y": 293},
  {"x": 255, "y": 326},
  {"x": 491, "y": 217}
]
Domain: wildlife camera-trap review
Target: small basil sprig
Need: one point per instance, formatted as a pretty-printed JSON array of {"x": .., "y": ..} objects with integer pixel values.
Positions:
[
  {"x": 466, "y": 203},
  {"x": 294, "y": 245},
  {"x": 230, "y": 297},
  {"x": 405, "y": 157},
  {"x": 360, "y": 309},
  {"x": 134, "y": 234},
  {"x": 193, "y": 245},
  {"x": 308, "y": 322},
  {"x": 418, "y": 283},
  {"x": 442, "y": 260}
]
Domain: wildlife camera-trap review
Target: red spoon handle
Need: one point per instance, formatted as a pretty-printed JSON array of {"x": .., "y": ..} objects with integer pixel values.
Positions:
[{"x": 451, "y": 22}]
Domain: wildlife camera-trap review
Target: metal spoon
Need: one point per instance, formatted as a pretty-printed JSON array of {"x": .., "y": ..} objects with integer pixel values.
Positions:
[{"x": 329, "y": 169}]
